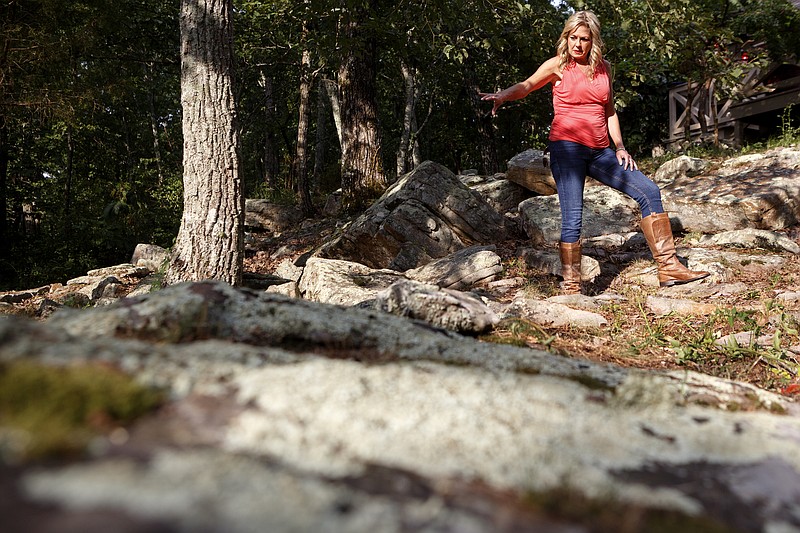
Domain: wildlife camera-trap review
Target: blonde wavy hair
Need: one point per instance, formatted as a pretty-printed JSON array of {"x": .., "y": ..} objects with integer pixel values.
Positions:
[{"x": 578, "y": 19}]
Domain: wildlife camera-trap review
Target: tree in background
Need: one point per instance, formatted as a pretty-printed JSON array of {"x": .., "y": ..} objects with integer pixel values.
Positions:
[
  {"x": 210, "y": 243},
  {"x": 90, "y": 138}
]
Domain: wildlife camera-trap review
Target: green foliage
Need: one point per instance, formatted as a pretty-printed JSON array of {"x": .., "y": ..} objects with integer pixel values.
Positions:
[
  {"x": 90, "y": 99},
  {"x": 58, "y": 410},
  {"x": 701, "y": 344},
  {"x": 93, "y": 123}
]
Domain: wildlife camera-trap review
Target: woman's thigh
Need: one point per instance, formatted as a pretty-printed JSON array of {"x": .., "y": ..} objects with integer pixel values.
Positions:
[
  {"x": 606, "y": 169},
  {"x": 569, "y": 162}
]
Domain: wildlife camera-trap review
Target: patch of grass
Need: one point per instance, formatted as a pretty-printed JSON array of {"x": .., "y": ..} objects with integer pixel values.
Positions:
[
  {"x": 700, "y": 346},
  {"x": 55, "y": 411},
  {"x": 519, "y": 332}
]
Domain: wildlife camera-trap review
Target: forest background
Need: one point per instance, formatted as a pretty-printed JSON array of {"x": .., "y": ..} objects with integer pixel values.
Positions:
[{"x": 90, "y": 113}]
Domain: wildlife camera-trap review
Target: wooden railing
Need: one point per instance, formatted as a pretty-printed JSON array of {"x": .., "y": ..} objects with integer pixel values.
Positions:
[{"x": 715, "y": 112}]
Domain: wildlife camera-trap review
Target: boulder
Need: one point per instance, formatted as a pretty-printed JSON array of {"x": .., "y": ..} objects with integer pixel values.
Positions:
[
  {"x": 150, "y": 256},
  {"x": 503, "y": 195},
  {"x": 753, "y": 238},
  {"x": 760, "y": 191},
  {"x": 263, "y": 215},
  {"x": 531, "y": 170},
  {"x": 445, "y": 308},
  {"x": 679, "y": 168},
  {"x": 335, "y": 281},
  {"x": 425, "y": 215},
  {"x": 460, "y": 270},
  {"x": 552, "y": 314},
  {"x": 605, "y": 211}
]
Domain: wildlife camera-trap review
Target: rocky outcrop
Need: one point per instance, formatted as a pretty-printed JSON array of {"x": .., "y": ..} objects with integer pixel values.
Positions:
[
  {"x": 425, "y": 215},
  {"x": 357, "y": 399},
  {"x": 605, "y": 211},
  {"x": 760, "y": 191},
  {"x": 292, "y": 415}
]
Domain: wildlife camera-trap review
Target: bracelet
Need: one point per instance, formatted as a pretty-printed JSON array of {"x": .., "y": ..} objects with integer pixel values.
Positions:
[{"x": 618, "y": 149}]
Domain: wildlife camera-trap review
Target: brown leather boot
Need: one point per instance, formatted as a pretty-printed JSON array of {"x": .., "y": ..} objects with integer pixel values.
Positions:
[
  {"x": 570, "y": 267},
  {"x": 657, "y": 231}
]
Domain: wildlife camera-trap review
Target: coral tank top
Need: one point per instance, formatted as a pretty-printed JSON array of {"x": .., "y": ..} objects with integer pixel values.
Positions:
[{"x": 579, "y": 105}]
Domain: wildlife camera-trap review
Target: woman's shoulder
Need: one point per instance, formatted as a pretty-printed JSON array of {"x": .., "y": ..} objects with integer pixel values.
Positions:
[{"x": 552, "y": 64}]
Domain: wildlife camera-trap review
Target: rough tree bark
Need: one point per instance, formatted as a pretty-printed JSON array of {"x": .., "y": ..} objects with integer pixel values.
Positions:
[
  {"x": 409, "y": 80},
  {"x": 362, "y": 166},
  {"x": 300, "y": 167},
  {"x": 210, "y": 242}
]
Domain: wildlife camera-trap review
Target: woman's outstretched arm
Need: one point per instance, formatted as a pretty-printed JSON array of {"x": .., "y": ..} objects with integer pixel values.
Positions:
[{"x": 548, "y": 72}]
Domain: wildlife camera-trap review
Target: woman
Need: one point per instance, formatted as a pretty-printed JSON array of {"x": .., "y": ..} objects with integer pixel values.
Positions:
[{"x": 584, "y": 119}]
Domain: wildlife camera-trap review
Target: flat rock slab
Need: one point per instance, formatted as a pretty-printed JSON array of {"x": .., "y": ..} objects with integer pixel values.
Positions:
[
  {"x": 760, "y": 191},
  {"x": 305, "y": 401}
]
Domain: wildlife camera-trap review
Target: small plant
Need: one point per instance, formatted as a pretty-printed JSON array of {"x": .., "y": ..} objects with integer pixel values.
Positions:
[
  {"x": 519, "y": 332},
  {"x": 789, "y": 134}
]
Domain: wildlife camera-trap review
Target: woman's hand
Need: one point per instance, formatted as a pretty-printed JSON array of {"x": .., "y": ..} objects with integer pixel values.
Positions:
[
  {"x": 498, "y": 98},
  {"x": 625, "y": 160}
]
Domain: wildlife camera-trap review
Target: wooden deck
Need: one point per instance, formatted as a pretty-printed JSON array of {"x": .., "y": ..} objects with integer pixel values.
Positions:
[{"x": 764, "y": 95}]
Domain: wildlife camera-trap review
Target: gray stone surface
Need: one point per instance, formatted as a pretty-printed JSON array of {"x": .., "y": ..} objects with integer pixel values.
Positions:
[
  {"x": 425, "y": 215},
  {"x": 446, "y": 308},
  {"x": 604, "y": 211}
]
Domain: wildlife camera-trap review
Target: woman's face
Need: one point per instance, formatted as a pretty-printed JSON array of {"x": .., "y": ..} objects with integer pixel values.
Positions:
[{"x": 579, "y": 43}]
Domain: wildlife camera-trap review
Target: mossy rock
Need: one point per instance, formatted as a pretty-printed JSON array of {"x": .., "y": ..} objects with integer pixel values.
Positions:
[{"x": 55, "y": 411}]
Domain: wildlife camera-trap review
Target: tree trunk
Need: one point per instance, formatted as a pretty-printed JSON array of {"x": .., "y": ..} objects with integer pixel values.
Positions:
[
  {"x": 332, "y": 90},
  {"x": 301, "y": 152},
  {"x": 484, "y": 122},
  {"x": 320, "y": 143},
  {"x": 270, "y": 162},
  {"x": 416, "y": 152},
  {"x": 409, "y": 80},
  {"x": 687, "y": 124},
  {"x": 362, "y": 167},
  {"x": 702, "y": 104},
  {"x": 210, "y": 243}
]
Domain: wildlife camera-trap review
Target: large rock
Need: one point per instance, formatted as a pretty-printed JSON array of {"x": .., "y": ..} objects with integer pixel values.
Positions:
[
  {"x": 553, "y": 314},
  {"x": 150, "y": 256},
  {"x": 502, "y": 194},
  {"x": 760, "y": 191},
  {"x": 531, "y": 169},
  {"x": 263, "y": 215},
  {"x": 445, "y": 308},
  {"x": 605, "y": 211},
  {"x": 254, "y": 428},
  {"x": 426, "y": 215},
  {"x": 335, "y": 281},
  {"x": 460, "y": 270}
]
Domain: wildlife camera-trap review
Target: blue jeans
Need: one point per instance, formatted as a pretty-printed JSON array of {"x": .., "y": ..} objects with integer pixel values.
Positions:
[{"x": 572, "y": 162}]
